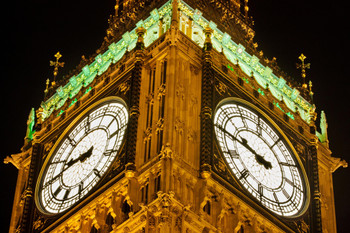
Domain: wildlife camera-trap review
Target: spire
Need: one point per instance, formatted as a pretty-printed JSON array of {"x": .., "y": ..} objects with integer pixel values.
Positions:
[
  {"x": 56, "y": 64},
  {"x": 30, "y": 125},
  {"x": 323, "y": 125},
  {"x": 303, "y": 68}
]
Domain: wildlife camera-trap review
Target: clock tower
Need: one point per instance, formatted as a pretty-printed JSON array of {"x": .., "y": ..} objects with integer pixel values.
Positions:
[{"x": 176, "y": 124}]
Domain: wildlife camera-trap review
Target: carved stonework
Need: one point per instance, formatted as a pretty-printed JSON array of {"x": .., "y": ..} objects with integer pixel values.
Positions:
[
  {"x": 221, "y": 88},
  {"x": 166, "y": 151},
  {"x": 161, "y": 91},
  {"x": 302, "y": 227},
  {"x": 159, "y": 125},
  {"x": 150, "y": 99},
  {"x": 123, "y": 88},
  {"x": 39, "y": 223},
  {"x": 191, "y": 135},
  {"x": 147, "y": 134},
  {"x": 15, "y": 159},
  {"x": 179, "y": 126},
  {"x": 180, "y": 91},
  {"x": 194, "y": 69}
]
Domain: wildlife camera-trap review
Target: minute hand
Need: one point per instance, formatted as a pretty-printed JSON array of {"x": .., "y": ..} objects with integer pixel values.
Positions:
[{"x": 260, "y": 159}]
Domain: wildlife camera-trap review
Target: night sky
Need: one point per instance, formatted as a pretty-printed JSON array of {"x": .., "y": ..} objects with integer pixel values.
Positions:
[{"x": 33, "y": 31}]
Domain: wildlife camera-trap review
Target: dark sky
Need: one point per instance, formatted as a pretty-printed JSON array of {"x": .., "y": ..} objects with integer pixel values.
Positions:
[{"x": 34, "y": 31}]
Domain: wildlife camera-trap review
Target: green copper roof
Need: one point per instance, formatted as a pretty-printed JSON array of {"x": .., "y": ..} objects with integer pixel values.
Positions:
[{"x": 221, "y": 41}]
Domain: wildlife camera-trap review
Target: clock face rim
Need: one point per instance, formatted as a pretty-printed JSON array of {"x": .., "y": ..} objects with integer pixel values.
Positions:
[
  {"x": 58, "y": 144},
  {"x": 290, "y": 147}
]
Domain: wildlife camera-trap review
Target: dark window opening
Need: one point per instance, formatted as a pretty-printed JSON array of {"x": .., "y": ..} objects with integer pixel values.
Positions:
[{"x": 206, "y": 208}]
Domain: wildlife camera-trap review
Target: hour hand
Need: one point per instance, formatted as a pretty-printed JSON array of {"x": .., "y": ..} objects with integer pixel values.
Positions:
[
  {"x": 86, "y": 155},
  {"x": 260, "y": 159},
  {"x": 81, "y": 158},
  {"x": 263, "y": 162}
]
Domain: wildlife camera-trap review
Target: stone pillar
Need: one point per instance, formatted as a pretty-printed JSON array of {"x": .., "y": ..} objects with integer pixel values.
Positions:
[
  {"x": 27, "y": 216},
  {"x": 134, "y": 104},
  {"x": 315, "y": 183},
  {"x": 315, "y": 191},
  {"x": 206, "y": 143}
]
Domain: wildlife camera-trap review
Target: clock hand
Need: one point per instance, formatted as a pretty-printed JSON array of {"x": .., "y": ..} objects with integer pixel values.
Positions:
[
  {"x": 244, "y": 141},
  {"x": 86, "y": 155},
  {"x": 260, "y": 159},
  {"x": 81, "y": 158}
]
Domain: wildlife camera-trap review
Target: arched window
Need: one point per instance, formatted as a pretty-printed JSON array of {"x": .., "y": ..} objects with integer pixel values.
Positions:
[
  {"x": 207, "y": 207},
  {"x": 126, "y": 209},
  {"x": 241, "y": 230},
  {"x": 110, "y": 221},
  {"x": 94, "y": 230}
]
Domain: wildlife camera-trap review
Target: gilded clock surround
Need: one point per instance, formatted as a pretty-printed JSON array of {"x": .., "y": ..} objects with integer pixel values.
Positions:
[
  {"x": 264, "y": 161},
  {"x": 73, "y": 167}
]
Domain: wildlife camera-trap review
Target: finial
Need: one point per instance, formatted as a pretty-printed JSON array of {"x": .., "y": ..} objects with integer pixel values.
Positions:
[
  {"x": 310, "y": 90},
  {"x": 47, "y": 86},
  {"x": 140, "y": 34},
  {"x": 30, "y": 125},
  {"x": 303, "y": 66},
  {"x": 207, "y": 43},
  {"x": 246, "y": 9},
  {"x": 323, "y": 136},
  {"x": 56, "y": 64}
]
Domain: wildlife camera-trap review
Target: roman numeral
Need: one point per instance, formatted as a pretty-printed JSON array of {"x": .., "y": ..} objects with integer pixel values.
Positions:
[
  {"x": 109, "y": 152},
  {"x": 285, "y": 193},
  {"x": 71, "y": 141},
  {"x": 289, "y": 181},
  {"x": 97, "y": 173},
  {"x": 80, "y": 188},
  {"x": 287, "y": 164},
  {"x": 110, "y": 123},
  {"x": 113, "y": 134},
  {"x": 66, "y": 194},
  {"x": 57, "y": 162},
  {"x": 275, "y": 196},
  {"x": 261, "y": 190},
  {"x": 234, "y": 154},
  {"x": 259, "y": 128},
  {"x": 87, "y": 125},
  {"x": 51, "y": 181},
  {"x": 244, "y": 174},
  {"x": 58, "y": 190},
  {"x": 275, "y": 143}
]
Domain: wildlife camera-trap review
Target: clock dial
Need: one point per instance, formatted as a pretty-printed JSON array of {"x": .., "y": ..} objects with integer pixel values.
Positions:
[
  {"x": 260, "y": 158},
  {"x": 82, "y": 156}
]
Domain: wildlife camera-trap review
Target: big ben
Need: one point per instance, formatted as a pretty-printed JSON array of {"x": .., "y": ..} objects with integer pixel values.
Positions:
[{"x": 177, "y": 123}]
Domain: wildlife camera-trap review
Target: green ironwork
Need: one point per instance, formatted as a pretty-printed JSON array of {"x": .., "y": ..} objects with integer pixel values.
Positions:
[{"x": 221, "y": 41}]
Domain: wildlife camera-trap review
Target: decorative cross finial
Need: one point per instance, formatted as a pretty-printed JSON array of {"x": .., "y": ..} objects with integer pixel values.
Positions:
[
  {"x": 303, "y": 66},
  {"x": 56, "y": 64}
]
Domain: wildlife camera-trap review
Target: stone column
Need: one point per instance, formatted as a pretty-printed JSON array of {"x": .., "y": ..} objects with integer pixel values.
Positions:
[
  {"x": 206, "y": 143},
  {"x": 28, "y": 207},
  {"x": 134, "y": 104}
]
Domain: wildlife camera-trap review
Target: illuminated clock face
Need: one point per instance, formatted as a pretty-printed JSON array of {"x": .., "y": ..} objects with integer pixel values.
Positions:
[
  {"x": 260, "y": 158},
  {"x": 82, "y": 157}
]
